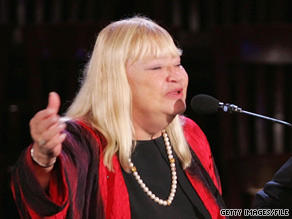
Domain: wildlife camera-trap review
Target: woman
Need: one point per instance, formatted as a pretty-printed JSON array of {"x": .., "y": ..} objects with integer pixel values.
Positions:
[{"x": 124, "y": 151}]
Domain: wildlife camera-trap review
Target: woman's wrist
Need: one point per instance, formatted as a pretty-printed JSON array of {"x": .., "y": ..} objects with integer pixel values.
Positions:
[{"x": 39, "y": 163}]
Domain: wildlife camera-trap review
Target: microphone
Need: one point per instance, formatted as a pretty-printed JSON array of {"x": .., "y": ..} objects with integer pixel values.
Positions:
[{"x": 205, "y": 104}]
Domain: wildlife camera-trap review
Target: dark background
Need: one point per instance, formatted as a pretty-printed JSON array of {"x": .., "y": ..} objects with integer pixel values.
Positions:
[{"x": 237, "y": 51}]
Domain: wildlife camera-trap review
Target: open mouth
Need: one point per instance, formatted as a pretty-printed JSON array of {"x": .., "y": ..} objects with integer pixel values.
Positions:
[{"x": 176, "y": 93}]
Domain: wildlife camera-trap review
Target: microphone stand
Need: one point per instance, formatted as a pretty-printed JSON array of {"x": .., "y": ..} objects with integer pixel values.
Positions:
[{"x": 231, "y": 108}]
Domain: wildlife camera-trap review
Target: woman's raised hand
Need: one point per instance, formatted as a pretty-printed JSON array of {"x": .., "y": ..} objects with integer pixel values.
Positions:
[{"x": 47, "y": 132}]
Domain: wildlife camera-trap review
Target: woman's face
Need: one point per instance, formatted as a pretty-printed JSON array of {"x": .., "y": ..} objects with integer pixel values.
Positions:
[{"x": 159, "y": 87}]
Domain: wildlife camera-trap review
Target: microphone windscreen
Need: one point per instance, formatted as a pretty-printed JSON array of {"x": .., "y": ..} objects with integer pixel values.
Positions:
[{"x": 204, "y": 104}]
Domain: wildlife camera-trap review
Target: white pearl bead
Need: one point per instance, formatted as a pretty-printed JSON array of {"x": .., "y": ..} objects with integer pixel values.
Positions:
[{"x": 173, "y": 175}]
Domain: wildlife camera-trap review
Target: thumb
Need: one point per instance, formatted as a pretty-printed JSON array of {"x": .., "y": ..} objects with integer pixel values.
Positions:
[{"x": 54, "y": 101}]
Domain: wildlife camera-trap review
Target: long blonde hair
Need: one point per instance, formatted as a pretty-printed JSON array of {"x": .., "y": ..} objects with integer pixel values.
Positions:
[{"x": 104, "y": 100}]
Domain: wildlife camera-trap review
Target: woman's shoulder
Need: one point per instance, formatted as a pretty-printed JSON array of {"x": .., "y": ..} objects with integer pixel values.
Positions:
[
  {"x": 191, "y": 128},
  {"x": 79, "y": 130},
  {"x": 199, "y": 144},
  {"x": 77, "y": 125},
  {"x": 196, "y": 138}
]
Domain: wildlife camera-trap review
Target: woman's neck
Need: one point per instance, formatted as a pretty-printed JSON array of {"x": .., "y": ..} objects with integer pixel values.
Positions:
[{"x": 150, "y": 128}]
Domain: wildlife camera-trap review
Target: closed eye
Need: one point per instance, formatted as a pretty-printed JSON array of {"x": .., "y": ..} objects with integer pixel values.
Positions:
[{"x": 156, "y": 68}]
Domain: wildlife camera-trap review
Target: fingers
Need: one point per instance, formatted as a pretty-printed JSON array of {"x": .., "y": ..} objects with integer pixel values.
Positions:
[
  {"x": 52, "y": 148},
  {"x": 46, "y": 130},
  {"x": 46, "y": 118},
  {"x": 54, "y": 102},
  {"x": 43, "y": 120},
  {"x": 52, "y": 143},
  {"x": 53, "y": 131}
]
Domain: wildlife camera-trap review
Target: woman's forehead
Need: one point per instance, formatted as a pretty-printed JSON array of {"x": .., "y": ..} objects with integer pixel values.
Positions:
[
  {"x": 160, "y": 58},
  {"x": 150, "y": 60}
]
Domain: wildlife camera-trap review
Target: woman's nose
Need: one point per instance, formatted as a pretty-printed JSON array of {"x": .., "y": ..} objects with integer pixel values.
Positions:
[{"x": 174, "y": 74}]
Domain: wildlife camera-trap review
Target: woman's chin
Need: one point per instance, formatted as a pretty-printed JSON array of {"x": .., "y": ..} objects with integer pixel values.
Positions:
[{"x": 179, "y": 107}]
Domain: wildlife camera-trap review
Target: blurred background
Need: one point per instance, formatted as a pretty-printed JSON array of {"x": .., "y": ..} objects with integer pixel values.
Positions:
[{"x": 237, "y": 51}]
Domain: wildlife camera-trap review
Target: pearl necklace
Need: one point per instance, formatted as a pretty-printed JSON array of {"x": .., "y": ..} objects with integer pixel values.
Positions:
[{"x": 173, "y": 176}]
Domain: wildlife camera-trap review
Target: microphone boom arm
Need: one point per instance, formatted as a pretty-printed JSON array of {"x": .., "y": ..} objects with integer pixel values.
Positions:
[{"x": 231, "y": 108}]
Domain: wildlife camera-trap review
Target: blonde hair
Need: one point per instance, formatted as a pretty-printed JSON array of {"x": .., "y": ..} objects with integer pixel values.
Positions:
[{"x": 104, "y": 100}]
